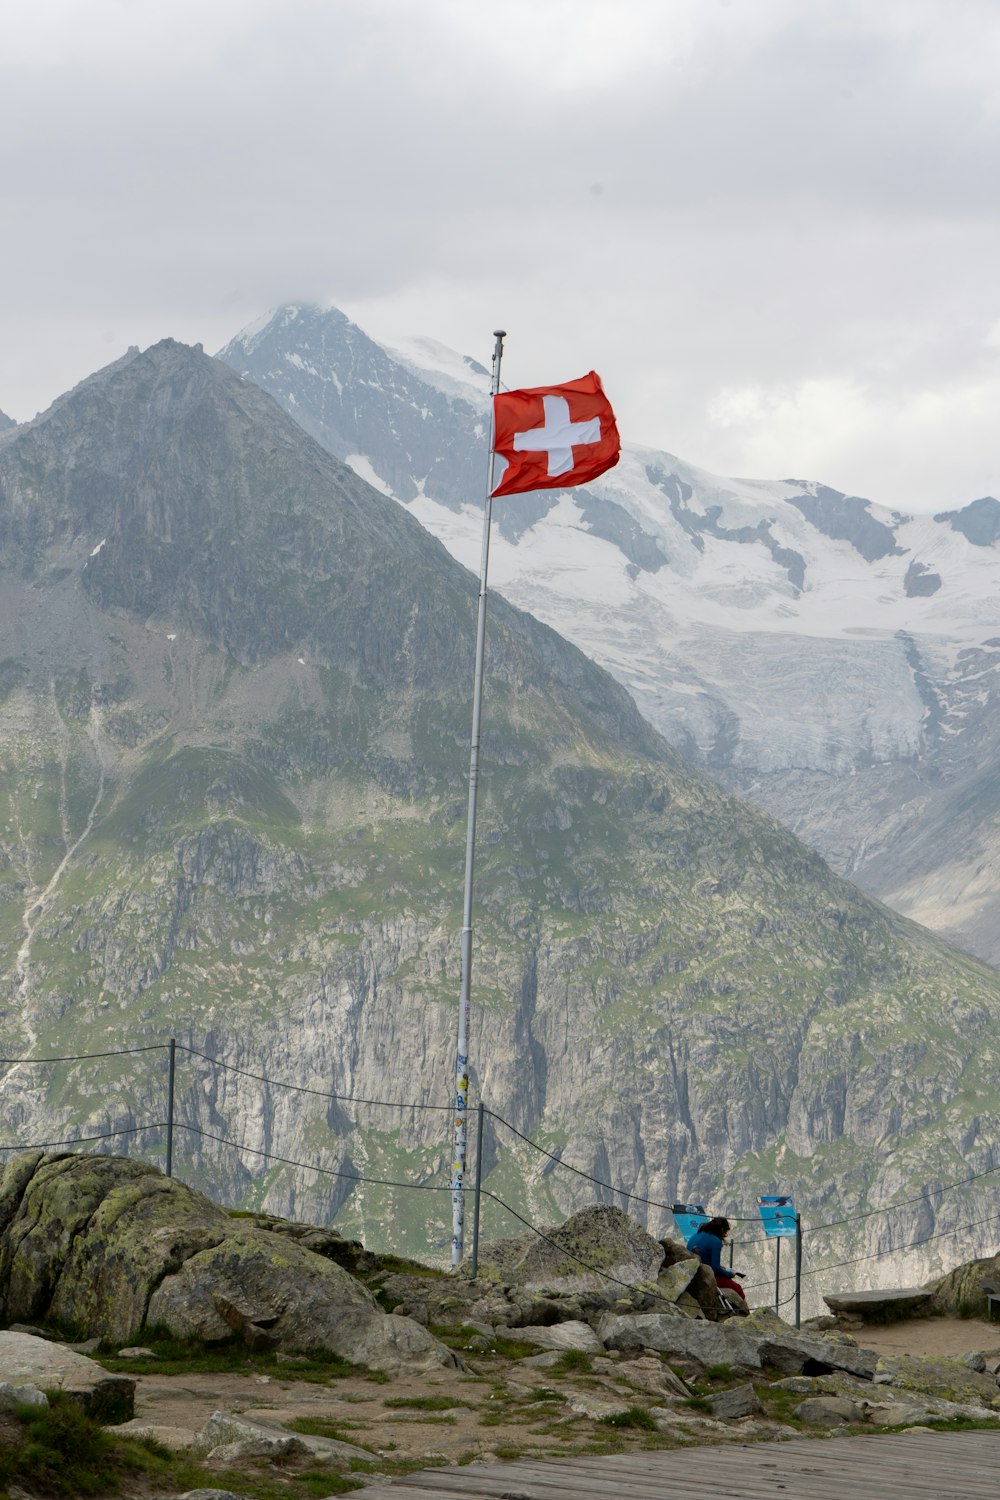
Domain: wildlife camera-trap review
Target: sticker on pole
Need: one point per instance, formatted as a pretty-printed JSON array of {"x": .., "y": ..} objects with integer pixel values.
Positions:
[
  {"x": 777, "y": 1212},
  {"x": 689, "y": 1217}
]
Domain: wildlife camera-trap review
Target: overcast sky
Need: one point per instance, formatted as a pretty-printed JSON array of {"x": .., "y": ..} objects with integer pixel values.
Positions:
[{"x": 771, "y": 225}]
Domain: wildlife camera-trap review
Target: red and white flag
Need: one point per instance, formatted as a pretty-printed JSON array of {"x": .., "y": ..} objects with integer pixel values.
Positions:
[{"x": 554, "y": 436}]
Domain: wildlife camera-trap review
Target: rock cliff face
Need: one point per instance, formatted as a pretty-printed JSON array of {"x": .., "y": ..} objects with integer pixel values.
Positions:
[{"x": 236, "y": 698}]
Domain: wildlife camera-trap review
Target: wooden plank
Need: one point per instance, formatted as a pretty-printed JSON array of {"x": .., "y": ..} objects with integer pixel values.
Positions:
[{"x": 916, "y": 1466}]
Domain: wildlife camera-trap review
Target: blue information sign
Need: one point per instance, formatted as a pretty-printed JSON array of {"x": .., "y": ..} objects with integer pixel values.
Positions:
[
  {"x": 777, "y": 1211},
  {"x": 689, "y": 1218}
]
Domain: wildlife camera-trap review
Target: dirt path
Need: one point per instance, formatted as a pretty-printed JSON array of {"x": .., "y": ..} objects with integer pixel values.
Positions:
[{"x": 933, "y": 1337}]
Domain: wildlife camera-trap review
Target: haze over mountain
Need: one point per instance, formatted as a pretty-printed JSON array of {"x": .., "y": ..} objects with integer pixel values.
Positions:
[
  {"x": 833, "y": 661},
  {"x": 236, "y": 687},
  {"x": 6, "y": 421}
]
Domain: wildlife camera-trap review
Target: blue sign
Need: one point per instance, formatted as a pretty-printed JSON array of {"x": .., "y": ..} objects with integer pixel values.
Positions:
[
  {"x": 689, "y": 1217},
  {"x": 777, "y": 1212}
]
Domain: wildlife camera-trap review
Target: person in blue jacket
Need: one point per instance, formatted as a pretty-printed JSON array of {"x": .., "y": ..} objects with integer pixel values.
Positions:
[{"x": 707, "y": 1243}]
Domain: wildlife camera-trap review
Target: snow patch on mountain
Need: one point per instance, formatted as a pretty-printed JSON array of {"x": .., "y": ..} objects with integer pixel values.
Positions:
[{"x": 818, "y": 652}]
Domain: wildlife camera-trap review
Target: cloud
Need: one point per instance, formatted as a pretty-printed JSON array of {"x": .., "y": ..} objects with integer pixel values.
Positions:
[{"x": 698, "y": 198}]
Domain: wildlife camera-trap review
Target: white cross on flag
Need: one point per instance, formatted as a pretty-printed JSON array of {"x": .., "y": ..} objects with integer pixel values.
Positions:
[{"x": 554, "y": 436}]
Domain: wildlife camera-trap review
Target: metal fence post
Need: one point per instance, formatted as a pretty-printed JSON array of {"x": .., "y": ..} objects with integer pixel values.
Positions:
[
  {"x": 478, "y": 1191},
  {"x": 170, "y": 1106},
  {"x": 798, "y": 1270}
]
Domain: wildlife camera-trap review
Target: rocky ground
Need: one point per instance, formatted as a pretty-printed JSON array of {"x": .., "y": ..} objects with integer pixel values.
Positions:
[
  {"x": 286, "y": 1361},
  {"x": 265, "y": 1424}
]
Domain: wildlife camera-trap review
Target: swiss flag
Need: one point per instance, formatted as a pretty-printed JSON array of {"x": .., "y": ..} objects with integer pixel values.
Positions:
[{"x": 554, "y": 436}]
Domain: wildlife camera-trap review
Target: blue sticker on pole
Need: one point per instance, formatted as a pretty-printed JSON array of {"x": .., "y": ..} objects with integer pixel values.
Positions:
[
  {"x": 777, "y": 1212},
  {"x": 689, "y": 1217}
]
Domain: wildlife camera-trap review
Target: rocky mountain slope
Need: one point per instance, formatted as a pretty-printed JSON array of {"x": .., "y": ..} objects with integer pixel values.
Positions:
[
  {"x": 236, "y": 697},
  {"x": 6, "y": 421},
  {"x": 833, "y": 661}
]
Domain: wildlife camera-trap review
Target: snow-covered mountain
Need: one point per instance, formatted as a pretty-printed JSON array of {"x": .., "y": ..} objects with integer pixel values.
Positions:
[{"x": 835, "y": 662}]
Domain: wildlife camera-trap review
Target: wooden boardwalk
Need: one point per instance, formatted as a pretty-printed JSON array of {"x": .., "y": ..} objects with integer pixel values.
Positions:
[{"x": 897, "y": 1466}]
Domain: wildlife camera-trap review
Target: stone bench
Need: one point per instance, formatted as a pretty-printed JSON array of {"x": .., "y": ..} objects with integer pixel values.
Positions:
[{"x": 882, "y": 1307}]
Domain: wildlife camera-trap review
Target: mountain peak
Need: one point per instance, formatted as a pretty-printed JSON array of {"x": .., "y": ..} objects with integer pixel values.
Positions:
[{"x": 978, "y": 522}]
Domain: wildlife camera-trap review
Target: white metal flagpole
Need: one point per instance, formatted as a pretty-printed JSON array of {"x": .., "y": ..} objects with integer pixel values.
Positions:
[{"x": 462, "y": 1060}]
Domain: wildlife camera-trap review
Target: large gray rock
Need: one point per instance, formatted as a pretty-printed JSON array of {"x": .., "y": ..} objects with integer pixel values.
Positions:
[
  {"x": 305, "y": 1302},
  {"x": 108, "y": 1245},
  {"x": 829, "y": 1411},
  {"x": 804, "y": 1355},
  {"x": 757, "y": 1340},
  {"x": 26, "y": 1360},
  {"x": 675, "y": 1279},
  {"x": 562, "y": 1336},
  {"x": 945, "y": 1379},
  {"x": 962, "y": 1292},
  {"x": 605, "y": 1238},
  {"x": 672, "y": 1333},
  {"x": 739, "y": 1401},
  {"x": 224, "y": 1430}
]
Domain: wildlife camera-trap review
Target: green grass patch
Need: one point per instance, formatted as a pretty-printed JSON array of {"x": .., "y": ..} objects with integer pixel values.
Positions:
[
  {"x": 173, "y": 1356},
  {"x": 514, "y": 1348},
  {"x": 572, "y": 1361},
  {"x": 699, "y": 1403},
  {"x": 634, "y": 1416},
  {"x": 340, "y": 1432},
  {"x": 60, "y": 1451},
  {"x": 423, "y": 1403}
]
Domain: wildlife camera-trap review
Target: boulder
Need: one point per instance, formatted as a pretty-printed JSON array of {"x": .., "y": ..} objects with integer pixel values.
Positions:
[
  {"x": 673, "y": 1251},
  {"x": 649, "y": 1374},
  {"x": 945, "y": 1379},
  {"x": 676, "y": 1279},
  {"x": 829, "y": 1411},
  {"x": 29, "y": 1361},
  {"x": 906, "y": 1413},
  {"x": 20, "y": 1395},
  {"x": 203, "y": 1494},
  {"x": 108, "y": 1245},
  {"x": 224, "y": 1433},
  {"x": 672, "y": 1333},
  {"x": 797, "y": 1355},
  {"x": 601, "y": 1237},
  {"x": 960, "y": 1294},
  {"x": 562, "y": 1336},
  {"x": 738, "y": 1401},
  {"x": 544, "y": 1361},
  {"x": 703, "y": 1289},
  {"x": 581, "y": 1404},
  {"x": 300, "y": 1300},
  {"x": 762, "y": 1338}
]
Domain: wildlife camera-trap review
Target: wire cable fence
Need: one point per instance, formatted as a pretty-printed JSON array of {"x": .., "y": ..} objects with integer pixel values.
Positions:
[{"x": 171, "y": 1124}]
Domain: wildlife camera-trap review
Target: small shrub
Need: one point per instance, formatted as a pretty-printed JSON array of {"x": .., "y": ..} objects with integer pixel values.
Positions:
[
  {"x": 514, "y": 1348},
  {"x": 62, "y": 1451},
  {"x": 634, "y": 1416},
  {"x": 570, "y": 1361},
  {"x": 719, "y": 1372},
  {"x": 423, "y": 1403}
]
